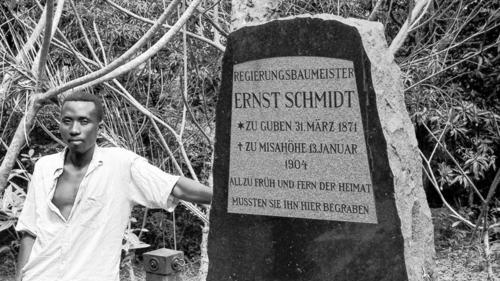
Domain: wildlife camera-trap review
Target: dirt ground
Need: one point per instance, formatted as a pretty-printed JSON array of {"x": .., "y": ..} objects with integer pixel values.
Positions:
[
  {"x": 460, "y": 265},
  {"x": 457, "y": 259}
]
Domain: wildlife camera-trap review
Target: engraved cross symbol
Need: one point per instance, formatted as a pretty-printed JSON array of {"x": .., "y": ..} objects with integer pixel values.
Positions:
[{"x": 240, "y": 145}]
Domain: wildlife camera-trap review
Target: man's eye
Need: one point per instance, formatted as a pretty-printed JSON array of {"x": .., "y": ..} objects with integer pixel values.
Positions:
[
  {"x": 66, "y": 121},
  {"x": 84, "y": 122}
]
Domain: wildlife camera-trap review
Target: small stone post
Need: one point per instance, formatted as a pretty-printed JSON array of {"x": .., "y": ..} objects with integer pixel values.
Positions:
[{"x": 163, "y": 265}]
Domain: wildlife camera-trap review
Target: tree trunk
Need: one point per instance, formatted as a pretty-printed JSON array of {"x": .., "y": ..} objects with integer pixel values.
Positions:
[
  {"x": 18, "y": 141},
  {"x": 35, "y": 103},
  {"x": 244, "y": 12}
]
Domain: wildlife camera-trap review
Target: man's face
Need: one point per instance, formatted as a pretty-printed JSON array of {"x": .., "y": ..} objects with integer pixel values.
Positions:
[{"x": 79, "y": 125}]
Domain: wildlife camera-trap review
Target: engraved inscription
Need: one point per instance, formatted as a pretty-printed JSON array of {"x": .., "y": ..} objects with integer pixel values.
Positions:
[{"x": 297, "y": 141}]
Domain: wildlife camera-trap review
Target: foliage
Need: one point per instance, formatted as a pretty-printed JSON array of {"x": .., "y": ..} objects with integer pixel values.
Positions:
[
  {"x": 452, "y": 80},
  {"x": 159, "y": 226},
  {"x": 471, "y": 135},
  {"x": 11, "y": 203},
  {"x": 12, "y": 199},
  {"x": 451, "y": 76}
]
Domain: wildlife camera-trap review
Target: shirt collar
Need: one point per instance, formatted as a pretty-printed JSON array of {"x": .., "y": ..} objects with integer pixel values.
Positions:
[{"x": 97, "y": 160}]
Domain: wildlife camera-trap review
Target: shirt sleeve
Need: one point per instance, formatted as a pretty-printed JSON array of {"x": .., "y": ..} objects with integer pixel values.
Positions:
[
  {"x": 152, "y": 187},
  {"x": 27, "y": 219}
]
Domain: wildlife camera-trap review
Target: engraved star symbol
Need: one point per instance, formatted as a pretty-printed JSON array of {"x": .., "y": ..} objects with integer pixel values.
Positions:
[
  {"x": 240, "y": 145},
  {"x": 240, "y": 125}
]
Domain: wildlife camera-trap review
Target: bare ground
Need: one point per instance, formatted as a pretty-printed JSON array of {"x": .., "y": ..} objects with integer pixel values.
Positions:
[{"x": 458, "y": 256}]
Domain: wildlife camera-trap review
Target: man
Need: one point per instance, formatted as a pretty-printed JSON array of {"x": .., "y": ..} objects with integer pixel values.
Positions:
[{"x": 79, "y": 201}]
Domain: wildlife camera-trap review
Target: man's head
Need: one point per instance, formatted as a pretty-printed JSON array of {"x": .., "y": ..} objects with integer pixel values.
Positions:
[
  {"x": 81, "y": 114},
  {"x": 86, "y": 97}
]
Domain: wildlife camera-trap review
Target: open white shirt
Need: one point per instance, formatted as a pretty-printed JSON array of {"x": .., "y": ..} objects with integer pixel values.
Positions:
[{"x": 87, "y": 245}]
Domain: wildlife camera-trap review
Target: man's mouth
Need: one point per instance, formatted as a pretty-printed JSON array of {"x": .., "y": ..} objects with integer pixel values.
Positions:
[{"x": 75, "y": 141}]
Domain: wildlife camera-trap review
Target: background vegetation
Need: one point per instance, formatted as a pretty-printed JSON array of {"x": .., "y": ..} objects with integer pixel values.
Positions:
[{"x": 164, "y": 108}]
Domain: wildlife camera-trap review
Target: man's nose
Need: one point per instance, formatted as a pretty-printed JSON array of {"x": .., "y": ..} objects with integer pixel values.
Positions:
[{"x": 75, "y": 129}]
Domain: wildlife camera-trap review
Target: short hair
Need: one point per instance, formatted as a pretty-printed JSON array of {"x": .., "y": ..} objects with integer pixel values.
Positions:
[{"x": 88, "y": 97}]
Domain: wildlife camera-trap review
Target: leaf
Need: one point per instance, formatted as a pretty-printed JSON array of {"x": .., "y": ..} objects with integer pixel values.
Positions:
[
  {"x": 16, "y": 172},
  {"x": 133, "y": 242},
  {"x": 6, "y": 199},
  {"x": 6, "y": 224},
  {"x": 4, "y": 249},
  {"x": 456, "y": 223},
  {"x": 12, "y": 201}
]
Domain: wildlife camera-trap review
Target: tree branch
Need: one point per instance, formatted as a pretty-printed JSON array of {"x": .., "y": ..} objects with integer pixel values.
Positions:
[
  {"x": 18, "y": 141},
  {"x": 374, "y": 14},
  {"x": 196, "y": 36},
  {"x": 36, "y": 101},
  {"x": 116, "y": 63},
  {"x": 142, "y": 57},
  {"x": 84, "y": 33},
  {"x": 22, "y": 54},
  {"x": 105, "y": 60},
  {"x": 41, "y": 57},
  {"x": 413, "y": 18},
  {"x": 432, "y": 178},
  {"x": 215, "y": 25},
  {"x": 485, "y": 206},
  {"x": 438, "y": 142}
]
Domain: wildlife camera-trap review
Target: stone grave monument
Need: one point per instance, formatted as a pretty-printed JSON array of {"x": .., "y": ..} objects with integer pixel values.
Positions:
[{"x": 316, "y": 163}]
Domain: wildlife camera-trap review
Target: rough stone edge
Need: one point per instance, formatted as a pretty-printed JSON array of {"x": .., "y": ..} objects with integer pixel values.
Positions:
[
  {"x": 402, "y": 147},
  {"x": 402, "y": 150}
]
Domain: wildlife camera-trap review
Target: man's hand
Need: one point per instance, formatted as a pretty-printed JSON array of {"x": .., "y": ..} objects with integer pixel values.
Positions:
[
  {"x": 25, "y": 247},
  {"x": 192, "y": 191}
]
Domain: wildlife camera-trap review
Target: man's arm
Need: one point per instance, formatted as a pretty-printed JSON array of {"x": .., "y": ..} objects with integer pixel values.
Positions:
[
  {"x": 25, "y": 247},
  {"x": 192, "y": 191},
  {"x": 153, "y": 188}
]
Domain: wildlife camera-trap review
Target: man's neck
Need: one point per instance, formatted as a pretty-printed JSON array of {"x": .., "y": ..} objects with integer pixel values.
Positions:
[{"x": 78, "y": 159}]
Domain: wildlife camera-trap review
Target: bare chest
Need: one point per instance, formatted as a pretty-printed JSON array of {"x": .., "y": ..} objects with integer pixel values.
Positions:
[{"x": 67, "y": 189}]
